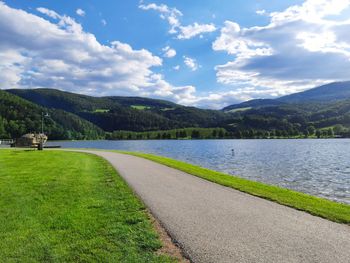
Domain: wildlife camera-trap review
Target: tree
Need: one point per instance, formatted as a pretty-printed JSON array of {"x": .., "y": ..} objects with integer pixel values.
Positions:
[
  {"x": 318, "y": 133},
  {"x": 338, "y": 129},
  {"x": 195, "y": 134},
  {"x": 330, "y": 132},
  {"x": 2, "y": 128},
  {"x": 183, "y": 134},
  {"x": 311, "y": 129}
]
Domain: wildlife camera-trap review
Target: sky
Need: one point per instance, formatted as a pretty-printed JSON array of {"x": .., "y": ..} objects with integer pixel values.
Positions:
[{"x": 204, "y": 53}]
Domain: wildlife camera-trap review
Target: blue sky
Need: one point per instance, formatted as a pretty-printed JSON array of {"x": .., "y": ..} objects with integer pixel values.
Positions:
[{"x": 207, "y": 53}]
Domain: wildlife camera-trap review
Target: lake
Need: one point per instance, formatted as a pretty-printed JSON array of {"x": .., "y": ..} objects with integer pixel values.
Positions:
[{"x": 317, "y": 167}]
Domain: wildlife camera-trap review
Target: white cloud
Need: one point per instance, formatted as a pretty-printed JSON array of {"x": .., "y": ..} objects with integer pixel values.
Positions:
[
  {"x": 232, "y": 41},
  {"x": 303, "y": 46},
  {"x": 37, "y": 53},
  {"x": 261, "y": 12},
  {"x": 172, "y": 15},
  {"x": 169, "y": 52},
  {"x": 80, "y": 12},
  {"x": 191, "y": 63},
  {"x": 48, "y": 12},
  {"x": 190, "y": 31},
  {"x": 103, "y": 22}
]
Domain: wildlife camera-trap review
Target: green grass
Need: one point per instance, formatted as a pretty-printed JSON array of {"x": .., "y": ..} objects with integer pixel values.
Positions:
[
  {"x": 324, "y": 208},
  {"x": 140, "y": 107},
  {"x": 167, "y": 109},
  {"x": 101, "y": 111},
  {"x": 60, "y": 206},
  {"x": 239, "y": 109}
]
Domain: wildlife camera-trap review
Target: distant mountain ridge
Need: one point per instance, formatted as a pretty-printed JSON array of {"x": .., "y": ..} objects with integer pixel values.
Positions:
[
  {"x": 326, "y": 93},
  {"x": 253, "y": 104},
  {"x": 322, "y": 112}
]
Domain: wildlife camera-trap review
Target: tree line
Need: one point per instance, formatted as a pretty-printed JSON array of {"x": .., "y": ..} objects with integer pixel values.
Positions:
[{"x": 221, "y": 133}]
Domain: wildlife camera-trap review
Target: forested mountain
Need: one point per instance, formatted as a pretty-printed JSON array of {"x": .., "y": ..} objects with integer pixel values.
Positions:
[
  {"x": 124, "y": 113},
  {"x": 75, "y": 116},
  {"x": 293, "y": 120},
  {"x": 257, "y": 103},
  {"x": 19, "y": 116}
]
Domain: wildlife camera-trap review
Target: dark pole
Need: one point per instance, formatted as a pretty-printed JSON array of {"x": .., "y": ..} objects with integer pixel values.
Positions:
[
  {"x": 42, "y": 122},
  {"x": 41, "y": 143}
]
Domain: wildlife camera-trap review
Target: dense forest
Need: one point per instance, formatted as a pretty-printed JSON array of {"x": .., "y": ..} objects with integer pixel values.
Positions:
[
  {"x": 125, "y": 113},
  {"x": 75, "y": 116},
  {"x": 293, "y": 120},
  {"x": 18, "y": 116},
  {"x": 186, "y": 133}
]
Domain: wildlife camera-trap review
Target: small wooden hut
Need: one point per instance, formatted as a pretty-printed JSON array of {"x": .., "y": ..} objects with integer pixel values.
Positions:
[{"x": 31, "y": 140}]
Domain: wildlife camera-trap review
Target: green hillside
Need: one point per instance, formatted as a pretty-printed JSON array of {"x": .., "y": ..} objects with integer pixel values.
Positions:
[
  {"x": 124, "y": 113},
  {"x": 19, "y": 116},
  {"x": 75, "y": 116},
  {"x": 293, "y": 120}
]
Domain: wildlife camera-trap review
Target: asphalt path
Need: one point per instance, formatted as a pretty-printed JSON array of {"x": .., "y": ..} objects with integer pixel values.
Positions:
[{"x": 213, "y": 223}]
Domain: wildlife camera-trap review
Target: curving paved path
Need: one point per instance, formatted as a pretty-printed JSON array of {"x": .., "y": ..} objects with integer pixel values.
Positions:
[{"x": 213, "y": 223}]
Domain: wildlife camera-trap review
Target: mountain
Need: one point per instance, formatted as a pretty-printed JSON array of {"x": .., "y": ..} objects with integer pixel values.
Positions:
[
  {"x": 330, "y": 92},
  {"x": 19, "y": 116},
  {"x": 293, "y": 120},
  {"x": 326, "y": 93},
  {"x": 252, "y": 104},
  {"x": 76, "y": 116},
  {"x": 324, "y": 109},
  {"x": 124, "y": 113}
]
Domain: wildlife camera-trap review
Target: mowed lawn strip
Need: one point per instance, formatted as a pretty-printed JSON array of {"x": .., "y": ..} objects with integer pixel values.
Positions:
[
  {"x": 60, "y": 206},
  {"x": 324, "y": 208}
]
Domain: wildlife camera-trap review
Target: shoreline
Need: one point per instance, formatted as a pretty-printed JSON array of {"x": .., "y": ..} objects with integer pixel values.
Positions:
[
  {"x": 196, "y": 212},
  {"x": 213, "y": 139},
  {"x": 317, "y": 206}
]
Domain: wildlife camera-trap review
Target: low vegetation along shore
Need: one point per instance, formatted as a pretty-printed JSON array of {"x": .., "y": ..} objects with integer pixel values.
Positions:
[
  {"x": 70, "y": 207},
  {"x": 324, "y": 208},
  {"x": 219, "y": 133}
]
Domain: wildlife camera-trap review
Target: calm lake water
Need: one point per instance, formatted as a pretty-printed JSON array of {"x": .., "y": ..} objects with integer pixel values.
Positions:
[{"x": 317, "y": 167}]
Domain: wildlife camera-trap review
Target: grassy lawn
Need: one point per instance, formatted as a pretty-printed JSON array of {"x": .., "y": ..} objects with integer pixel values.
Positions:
[
  {"x": 314, "y": 205},
  {"x": 140, "y": 107},
  {"x": 60, "y": 206},
  {"x": 240, "y": 109},
  {"x": 101, "y": 111}
]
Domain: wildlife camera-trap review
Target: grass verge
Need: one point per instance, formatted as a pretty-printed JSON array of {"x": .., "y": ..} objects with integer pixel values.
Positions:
[
  {"x": 324, "y": 208},
  {"x": 60, "y": 206}
]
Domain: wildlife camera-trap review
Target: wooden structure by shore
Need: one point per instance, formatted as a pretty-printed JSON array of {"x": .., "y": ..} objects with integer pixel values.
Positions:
[{"x": 32, "y": 140}]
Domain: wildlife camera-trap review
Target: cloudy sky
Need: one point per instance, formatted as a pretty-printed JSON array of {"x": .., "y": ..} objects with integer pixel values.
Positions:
[{"x": 206, "y": 53}]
